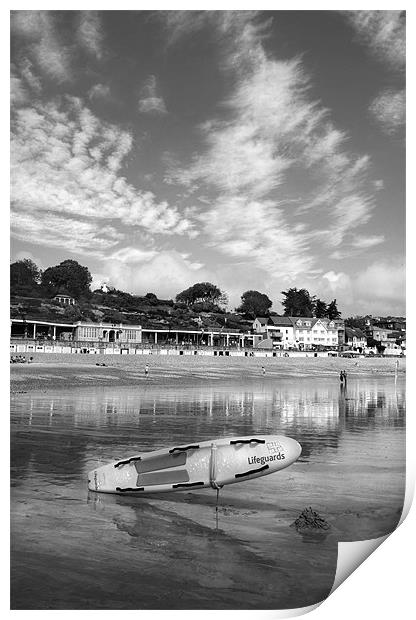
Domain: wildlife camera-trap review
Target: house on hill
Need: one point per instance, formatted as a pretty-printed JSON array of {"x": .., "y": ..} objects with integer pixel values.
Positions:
[{"x": 65, "y": 299}]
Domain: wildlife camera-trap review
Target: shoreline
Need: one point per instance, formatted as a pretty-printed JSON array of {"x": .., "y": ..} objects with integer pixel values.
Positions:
[{"x": 55, "y": 371}]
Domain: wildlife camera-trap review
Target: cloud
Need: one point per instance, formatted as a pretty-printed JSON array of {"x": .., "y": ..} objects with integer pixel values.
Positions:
[
  {"x": 384, "y": 33},
  {"x": 379, "y": 288},
  {"x": 68, "y": 162},
  {"x": 274, "y": 139},
  {"x": 99, "y": 91},
  {"x": 166, "y": 273},
  {"x": 90, "y": 33},
  {"x": 132, "y": 255},
  {"x": 385, "y": 281},
  {"x": 349, "y": 213},
  {"x": 43, "y": 40},
  {"x": 256, "y": 231},
  {"x": 369, "y": 241},
  {"x": 55, "y": 230},
  {"x": 150, "y": 101},
  {"x": 389, "y": 110},
  {"x": 40, "y": 41},
  {"x": 182, "y": 23}
]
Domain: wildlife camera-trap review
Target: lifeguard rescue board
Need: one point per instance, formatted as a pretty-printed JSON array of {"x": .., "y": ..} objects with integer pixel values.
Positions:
[{"x": 213, "y": 463}]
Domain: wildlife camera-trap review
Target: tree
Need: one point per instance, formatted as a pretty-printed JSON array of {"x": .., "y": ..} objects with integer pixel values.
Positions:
[
  {"x": 202, "y": 292},
  {"x": 298, "y": 302},
  {"x": 24, "y": 272},
  {"x": 356, "y": 321},
  {"x": 254, "y": 304},
  {"x": 332, "y": 310},
  {"x": 70, "y": 276},
  {"x": 112, "y": 316},
  {"x": 320, "y": 309}
]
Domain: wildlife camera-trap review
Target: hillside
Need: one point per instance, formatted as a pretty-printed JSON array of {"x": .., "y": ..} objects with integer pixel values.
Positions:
[{"x": 120, "y": 307}]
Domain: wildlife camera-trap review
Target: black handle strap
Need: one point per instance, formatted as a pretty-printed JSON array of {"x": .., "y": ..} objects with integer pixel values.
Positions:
[
  {"x": 133, "y": 458},
  {"x": 252, "y": 471},
  {"x": 183, "y": 448},
  {"x": 254, "y": 440},
  {"x": 129, "y": 489},
  {"x": 187, "y": 484}
]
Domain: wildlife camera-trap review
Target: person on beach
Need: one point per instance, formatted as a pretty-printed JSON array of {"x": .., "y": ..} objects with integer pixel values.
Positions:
[
  {"x": 263, "y": 370},
  {"x": 146, "y": 370},
  {"x": 341, "y": 377},
  {"x": 345, "y": 377}
]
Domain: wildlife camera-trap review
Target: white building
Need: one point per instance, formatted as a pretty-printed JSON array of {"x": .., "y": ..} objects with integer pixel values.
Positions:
[
  {"x": 311, "y": 332},
  {"x": 107, "y": 332}
]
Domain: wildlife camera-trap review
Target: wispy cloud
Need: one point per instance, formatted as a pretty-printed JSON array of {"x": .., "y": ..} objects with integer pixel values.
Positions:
[
  {"x": 90, "y": 33},
  {"x": 56, "y": 230},
  {"x": 45, "y": 42},
  {"x": 257, "y": 231},
  {"x": 369, "y": 241},
  {"x": 100, "y": 91},
  {"x": 68, "y": 162},
  {"x": 274, "y": 133},
  {"x": 389, "y": 110},
  {"x": 383, "y": 32},
  {"x": 150, "y": 101},
  {"x": 39, "y": 38}
]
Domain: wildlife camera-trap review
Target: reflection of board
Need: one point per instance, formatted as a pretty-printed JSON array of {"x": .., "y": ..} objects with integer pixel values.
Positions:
[{"x": 208, "y": 463}]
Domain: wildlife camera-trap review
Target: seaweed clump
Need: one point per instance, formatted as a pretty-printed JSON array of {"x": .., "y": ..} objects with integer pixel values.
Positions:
[{"x": 309, "y": 521}]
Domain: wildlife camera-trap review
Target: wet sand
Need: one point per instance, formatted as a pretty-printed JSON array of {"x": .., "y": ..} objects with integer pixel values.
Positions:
[
  {"x": 72, "y": 549},
  {"x": 51, "y": 371}
]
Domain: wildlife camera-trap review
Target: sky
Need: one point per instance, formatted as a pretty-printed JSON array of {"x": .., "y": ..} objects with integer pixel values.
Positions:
[{"x": 251, "y": 149}]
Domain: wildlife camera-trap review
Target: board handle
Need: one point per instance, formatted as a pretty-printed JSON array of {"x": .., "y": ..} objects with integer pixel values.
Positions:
[
  {"x": 187, "y": 484},
  {"x": 252, "y": 471},
  {"x": 133, "y": 458},
  {"x": 254, "y": 440},
  {"x": 129, "y": 489},
  {"x": 183, "y": 448}
]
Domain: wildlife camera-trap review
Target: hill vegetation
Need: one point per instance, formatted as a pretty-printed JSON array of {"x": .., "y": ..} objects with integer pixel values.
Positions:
[{"x": 32, "y": 293}]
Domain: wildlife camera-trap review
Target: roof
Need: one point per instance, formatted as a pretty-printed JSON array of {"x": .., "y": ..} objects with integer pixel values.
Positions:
[
  {"x": 262, "y": 320},
  {"x": 354, "y": 331},
  {"x": 63, "y": 293},
  {"x": 281, "y": 321}
]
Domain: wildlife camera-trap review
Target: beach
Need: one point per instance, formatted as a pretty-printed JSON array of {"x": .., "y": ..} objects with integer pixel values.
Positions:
[
  {"x": 75, "y": 549},
  {"x": 52, "y": 371}
]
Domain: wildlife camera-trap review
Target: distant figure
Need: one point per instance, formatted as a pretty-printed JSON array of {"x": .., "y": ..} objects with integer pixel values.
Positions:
[
  {"x": 263, "y": 370},
  {"x": 146, "y": 370},
  {"x": 397, "y": 366},
  {"x": 341, "y": 377},
  {"x": 345, "y": 377}
]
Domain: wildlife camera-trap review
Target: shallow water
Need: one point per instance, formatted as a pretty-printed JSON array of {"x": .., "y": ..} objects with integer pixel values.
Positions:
[{"x": 72, "y": 549}]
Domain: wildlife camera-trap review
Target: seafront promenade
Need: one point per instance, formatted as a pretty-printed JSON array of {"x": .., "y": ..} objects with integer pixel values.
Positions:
[{"x": 110, "y": 349}]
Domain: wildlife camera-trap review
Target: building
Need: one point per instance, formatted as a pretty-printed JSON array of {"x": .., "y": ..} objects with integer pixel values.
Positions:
[
  {"x": 355, "y": 338},
  {"x": 107, "y": 332},
  {"x": 285, "y": 332},
  {"x": 312, "y": 333},
  {"x": 281, "y": 332},
  {"x": 118, "y": 335},
  {"x": 260, "y": 324},
  {"x": 65, "y": 299}
]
